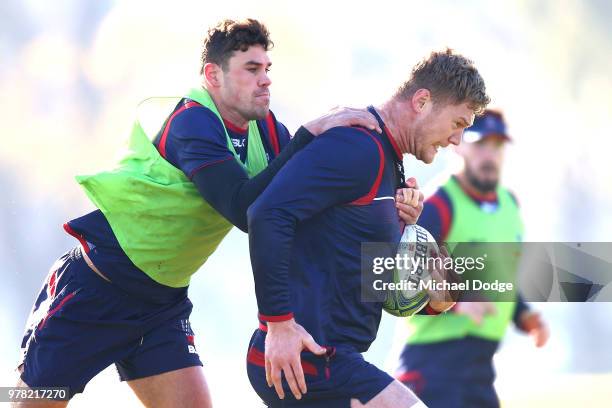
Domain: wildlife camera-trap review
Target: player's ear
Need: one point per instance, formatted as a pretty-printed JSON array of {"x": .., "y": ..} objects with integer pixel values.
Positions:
[
  {"x": 213, "y": 75},
  {"x": 420, "y": 100}
]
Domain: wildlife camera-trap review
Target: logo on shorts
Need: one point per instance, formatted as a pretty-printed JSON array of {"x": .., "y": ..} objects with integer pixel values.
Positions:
[
  {"x": 191, "y": 345},
  {"x": 186, "y": 327}
]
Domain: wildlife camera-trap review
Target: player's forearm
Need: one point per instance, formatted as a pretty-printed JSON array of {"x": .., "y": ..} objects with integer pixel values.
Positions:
[
  {"x": 270, "y": 243},
  {"x": 301, "y": 138},
  {"x": 228, "y": 189}
]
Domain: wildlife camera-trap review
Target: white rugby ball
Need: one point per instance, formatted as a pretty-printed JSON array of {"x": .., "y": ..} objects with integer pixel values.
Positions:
[{"x": 415, "y": 247}]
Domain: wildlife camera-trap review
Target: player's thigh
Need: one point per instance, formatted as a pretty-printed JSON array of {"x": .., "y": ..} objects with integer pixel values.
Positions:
[
  {"x": 35, "y": 403},
  {"x": 185, "y": 387},
  {"x": 395, "y": 395}
]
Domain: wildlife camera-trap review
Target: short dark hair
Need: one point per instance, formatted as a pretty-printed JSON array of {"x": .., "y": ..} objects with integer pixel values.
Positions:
[
  {"x": 450, "y": 78},
  {"x": 228, "y": 36}
]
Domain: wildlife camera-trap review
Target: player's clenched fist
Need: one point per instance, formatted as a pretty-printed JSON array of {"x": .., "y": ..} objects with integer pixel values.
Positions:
[
  {"x": 409, "y": 202},
  {"x": 284, "y": 343}
]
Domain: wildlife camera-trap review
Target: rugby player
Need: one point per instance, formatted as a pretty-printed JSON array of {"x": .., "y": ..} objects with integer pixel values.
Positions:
[{"x": 305, "y": 236}]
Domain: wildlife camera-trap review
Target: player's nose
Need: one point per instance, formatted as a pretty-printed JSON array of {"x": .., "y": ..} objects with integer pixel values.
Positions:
[
  {"x": 455, "y": 138},
  {"x": 265, "y": 80}
]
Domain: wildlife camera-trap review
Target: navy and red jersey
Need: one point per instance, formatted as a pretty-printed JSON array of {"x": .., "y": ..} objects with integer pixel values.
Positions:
[
  {"x": 307, "y": 227},
  {"x": 198, "y": 140},
  {"x": 195, "y": 141}
]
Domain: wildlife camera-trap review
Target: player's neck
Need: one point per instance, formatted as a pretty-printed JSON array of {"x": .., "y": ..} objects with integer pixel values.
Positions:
[
  {"x": 393, "y": 115},
  {"x": 231, "y": 116},
  {"x": 227, "y": 113}
]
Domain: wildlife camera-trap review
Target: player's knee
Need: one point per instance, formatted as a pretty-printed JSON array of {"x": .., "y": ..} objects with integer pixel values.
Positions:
[
  {"x": 395, "y": 395},
  {"x": 35, "y": 403},
  {"x": 186, "y": 385}
]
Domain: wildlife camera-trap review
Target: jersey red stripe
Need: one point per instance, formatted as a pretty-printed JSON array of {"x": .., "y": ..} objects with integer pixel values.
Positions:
[
  {"x": 272, "y": 133},
  {"x": 162, "y": 140},
  {"x": 77, "y": 236},
  {"x": 367, "y": 199}
]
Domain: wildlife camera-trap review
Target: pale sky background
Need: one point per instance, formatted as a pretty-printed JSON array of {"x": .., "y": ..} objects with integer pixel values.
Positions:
[{"x": 72, "y": 72}]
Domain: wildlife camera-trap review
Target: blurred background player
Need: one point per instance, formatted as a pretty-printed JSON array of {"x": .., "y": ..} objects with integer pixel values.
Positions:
[{"x": 448, "y": 361}]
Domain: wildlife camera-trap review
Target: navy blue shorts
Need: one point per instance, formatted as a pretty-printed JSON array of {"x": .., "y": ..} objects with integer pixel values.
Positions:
[
  {"x": 332, "y": 380},
  {"x": 451, "y": 374},
  {"x": 80, "y": 324}
]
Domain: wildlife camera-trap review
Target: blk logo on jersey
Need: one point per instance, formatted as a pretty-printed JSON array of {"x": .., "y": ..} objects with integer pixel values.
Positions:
[{"x": 238, "y": 142}]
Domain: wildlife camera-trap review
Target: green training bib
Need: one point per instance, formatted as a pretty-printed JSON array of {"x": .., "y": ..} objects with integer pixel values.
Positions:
[
  {"x": 159, "y": 218},
  {"x": 471, "y": 224}
]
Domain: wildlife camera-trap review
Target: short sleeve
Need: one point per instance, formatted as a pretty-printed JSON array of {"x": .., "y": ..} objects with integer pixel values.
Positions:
[{"x": 196, "y": 139}]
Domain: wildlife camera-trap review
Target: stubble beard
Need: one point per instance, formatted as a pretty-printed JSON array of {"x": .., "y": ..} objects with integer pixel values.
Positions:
[{"x": 481, "y": 185}]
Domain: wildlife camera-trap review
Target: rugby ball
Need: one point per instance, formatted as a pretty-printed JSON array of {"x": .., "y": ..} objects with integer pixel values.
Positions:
[{"x": 405, "y": 297}]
